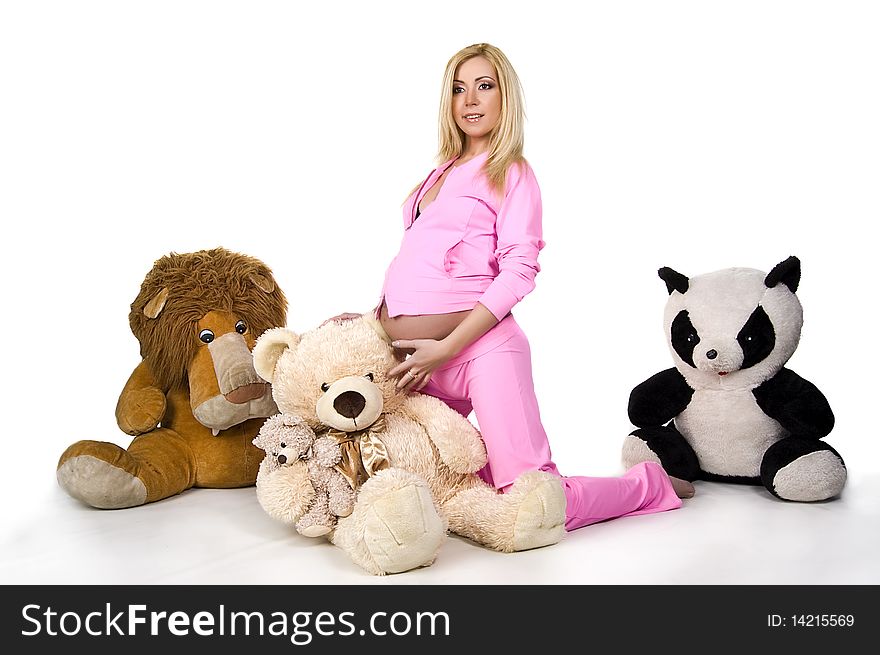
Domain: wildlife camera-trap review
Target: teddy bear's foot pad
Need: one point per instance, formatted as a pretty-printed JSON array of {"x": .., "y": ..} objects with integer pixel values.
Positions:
[
  {"x": 540, "y": 520},
  {"x": 315, "y": 531},
  {"x": 403, "y": 530},
  {"x": 636, "y": 451},
  {"x": 815, "y": 476},
  {"x": 99, "y": 484}
]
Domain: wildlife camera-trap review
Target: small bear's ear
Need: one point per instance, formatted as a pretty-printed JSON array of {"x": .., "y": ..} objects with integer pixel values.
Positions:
[
  {"x": 269, "y": 348},
  {"x": 674, "y": 280},
  {"x": 787, "y": 272}
]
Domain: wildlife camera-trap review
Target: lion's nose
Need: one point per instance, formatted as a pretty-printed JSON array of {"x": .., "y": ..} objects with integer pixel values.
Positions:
[
  {"x": 350, "y": 404},
  {"x": 246, "y": 393}
]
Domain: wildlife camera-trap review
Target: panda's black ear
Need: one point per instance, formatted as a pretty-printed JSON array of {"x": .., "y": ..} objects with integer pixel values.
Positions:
[
  {"x": 674, "y": 280},
  {"x": 787, "y": 272}
]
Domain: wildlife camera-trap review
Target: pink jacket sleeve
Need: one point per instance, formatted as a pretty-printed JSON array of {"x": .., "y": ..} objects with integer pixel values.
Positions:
[{"x": 518, "y": 228}]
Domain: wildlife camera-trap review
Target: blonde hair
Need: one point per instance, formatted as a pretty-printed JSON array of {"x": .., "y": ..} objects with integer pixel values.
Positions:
[{"x": 506, "y": 140}]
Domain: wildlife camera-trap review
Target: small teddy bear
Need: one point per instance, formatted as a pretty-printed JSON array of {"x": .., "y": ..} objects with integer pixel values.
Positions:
[{"x": 289, "y": 442}]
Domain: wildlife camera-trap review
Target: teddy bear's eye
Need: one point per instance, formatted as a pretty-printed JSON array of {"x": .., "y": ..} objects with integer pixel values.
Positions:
[
  {"x": 241, "y": 327},
  {"x": 325, "y": 387},
  {"x": 284, "y": 445},
  {"x": 369, "y": 376},
  {"x": 206, "y": 336}
]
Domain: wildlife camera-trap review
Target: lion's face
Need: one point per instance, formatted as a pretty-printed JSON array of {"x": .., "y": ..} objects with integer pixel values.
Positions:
[
  {"x": 224, "y": 388},
  {"x": 197, "y": 317}
]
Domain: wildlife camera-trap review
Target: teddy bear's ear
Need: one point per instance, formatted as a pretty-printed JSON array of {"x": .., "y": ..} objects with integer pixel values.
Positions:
[
  {"x": 787, "y": 272},
  {"x": 674, "y": 280},
  {"x": 269, "y": 348},
  {"x": 153, "y": 308}
]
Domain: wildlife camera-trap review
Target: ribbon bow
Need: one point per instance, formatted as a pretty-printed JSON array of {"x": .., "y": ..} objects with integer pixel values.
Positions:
[{"x": 363, "y": 453}]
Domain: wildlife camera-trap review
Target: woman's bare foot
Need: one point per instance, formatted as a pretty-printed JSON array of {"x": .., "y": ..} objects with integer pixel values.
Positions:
[{"x": 682, "y": 488}]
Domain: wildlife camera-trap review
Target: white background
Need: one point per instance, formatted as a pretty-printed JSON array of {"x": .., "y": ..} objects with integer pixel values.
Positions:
[{"x": 698, "y": 135}]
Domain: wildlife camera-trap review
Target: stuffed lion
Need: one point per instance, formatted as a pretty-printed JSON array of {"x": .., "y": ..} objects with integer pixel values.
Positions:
[{"x": 195, "y": 403}]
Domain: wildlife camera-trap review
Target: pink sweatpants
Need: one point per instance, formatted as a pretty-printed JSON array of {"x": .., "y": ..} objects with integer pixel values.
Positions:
[{"x": 493, "y": 376}]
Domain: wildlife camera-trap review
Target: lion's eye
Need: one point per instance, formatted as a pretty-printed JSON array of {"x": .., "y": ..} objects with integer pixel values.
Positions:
[
  {"x": 206, "y": 336},
  {"x": 325, "y": 387},
  {"x": 241, "y": 327},
  {"x": 369, "y": 376}
]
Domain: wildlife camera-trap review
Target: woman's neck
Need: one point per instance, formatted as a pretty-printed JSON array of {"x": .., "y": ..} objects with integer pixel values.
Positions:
[{"x": 473, "y": 148}]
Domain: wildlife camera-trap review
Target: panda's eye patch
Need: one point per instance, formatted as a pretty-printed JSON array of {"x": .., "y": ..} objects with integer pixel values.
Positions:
[
  {"x": 284, "y": 445},
  {"x": 369, "y": 376},
  {"x": 206, "y": 336},
  {"x": 757, "y": 337},
  {"x": 241, "y": 327},
  {"x": 325, "y": 387},
  {"x": 684, "y": 337}
]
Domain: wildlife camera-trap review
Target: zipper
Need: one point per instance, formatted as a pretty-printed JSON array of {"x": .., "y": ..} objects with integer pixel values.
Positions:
[{"x": 412, "y": 212}]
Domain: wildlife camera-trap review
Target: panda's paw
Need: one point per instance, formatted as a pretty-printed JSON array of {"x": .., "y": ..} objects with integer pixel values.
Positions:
[
  {"x": 636, "y": 450},
  {"x": 815, "y": 476}
]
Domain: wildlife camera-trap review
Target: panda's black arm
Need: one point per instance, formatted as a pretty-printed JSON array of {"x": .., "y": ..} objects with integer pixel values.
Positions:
[
  {"x": 796, "y": 403},
  {"x": 659, "y": 399}
]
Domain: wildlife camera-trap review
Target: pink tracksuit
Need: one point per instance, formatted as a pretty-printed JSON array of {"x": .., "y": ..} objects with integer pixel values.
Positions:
[{"x": 471, "y": 245}]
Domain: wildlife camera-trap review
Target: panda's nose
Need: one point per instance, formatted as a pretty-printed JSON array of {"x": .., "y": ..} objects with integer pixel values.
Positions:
[
  {"x": 712, "y": 354},
  {"x": 350, "y": 404}
]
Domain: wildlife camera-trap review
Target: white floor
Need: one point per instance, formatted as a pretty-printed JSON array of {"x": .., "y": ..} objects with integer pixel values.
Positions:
[{"x": 725, "y": 535}]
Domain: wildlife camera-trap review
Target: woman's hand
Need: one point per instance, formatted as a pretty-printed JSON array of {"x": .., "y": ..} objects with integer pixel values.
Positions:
[
  {"x": 427, "y": 356},
  {"x": 347, "y": 316}
]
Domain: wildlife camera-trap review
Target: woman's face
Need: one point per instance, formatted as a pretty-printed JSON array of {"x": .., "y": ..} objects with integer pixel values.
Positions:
[{"x": 476, "y": 99}]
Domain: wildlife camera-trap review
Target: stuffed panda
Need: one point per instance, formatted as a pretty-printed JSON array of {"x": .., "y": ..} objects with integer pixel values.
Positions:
[{"x": 729, "y": 411}]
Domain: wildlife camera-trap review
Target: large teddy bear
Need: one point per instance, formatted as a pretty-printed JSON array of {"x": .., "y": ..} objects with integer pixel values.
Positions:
[
  {"x": 194, "y": 403},
  {"x": 412, "y": 459},
  {"x": 730, "y": 411}
]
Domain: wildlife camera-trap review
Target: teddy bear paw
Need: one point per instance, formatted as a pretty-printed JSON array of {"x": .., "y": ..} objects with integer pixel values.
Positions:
[
  {"x": 635, "y": 451},
  {"x": 816, "y": 476},
  {"x": 403, "y": 530},
  {"x": 395, "y": 526},
  {"x": 315, "y": 531},
  {"x": 540, "y": 519}
]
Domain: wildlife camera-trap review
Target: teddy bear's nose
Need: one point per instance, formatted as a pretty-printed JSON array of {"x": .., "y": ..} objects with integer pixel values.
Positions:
[
  {"x": 350, "y": 404},
  {"x": 282, "y": 459},
  {"x": 712, "y": 354}
]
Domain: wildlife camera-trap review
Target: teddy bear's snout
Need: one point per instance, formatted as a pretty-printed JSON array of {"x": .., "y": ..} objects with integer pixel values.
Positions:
[
  {"x": 282, "y": 459},
  {"x": 350, "y": 404}
]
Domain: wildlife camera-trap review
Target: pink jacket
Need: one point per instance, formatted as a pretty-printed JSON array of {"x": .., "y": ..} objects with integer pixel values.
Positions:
[{"x": 468, "y": 245}]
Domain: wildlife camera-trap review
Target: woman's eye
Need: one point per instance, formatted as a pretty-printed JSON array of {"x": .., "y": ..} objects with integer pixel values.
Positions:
[
  {"x": 458, "y": 89},
  {"x": 485, "y": 85},
  {"x": 241, "y": 327},
  {"x": 206, "y": 336}
]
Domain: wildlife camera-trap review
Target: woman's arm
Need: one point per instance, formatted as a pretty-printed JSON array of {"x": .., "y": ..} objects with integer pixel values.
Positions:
[{"x": 430, "y": 354}]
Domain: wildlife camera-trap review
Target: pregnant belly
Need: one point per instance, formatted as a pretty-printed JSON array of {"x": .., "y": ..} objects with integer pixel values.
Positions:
[{"x": 426, "y": 326}]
